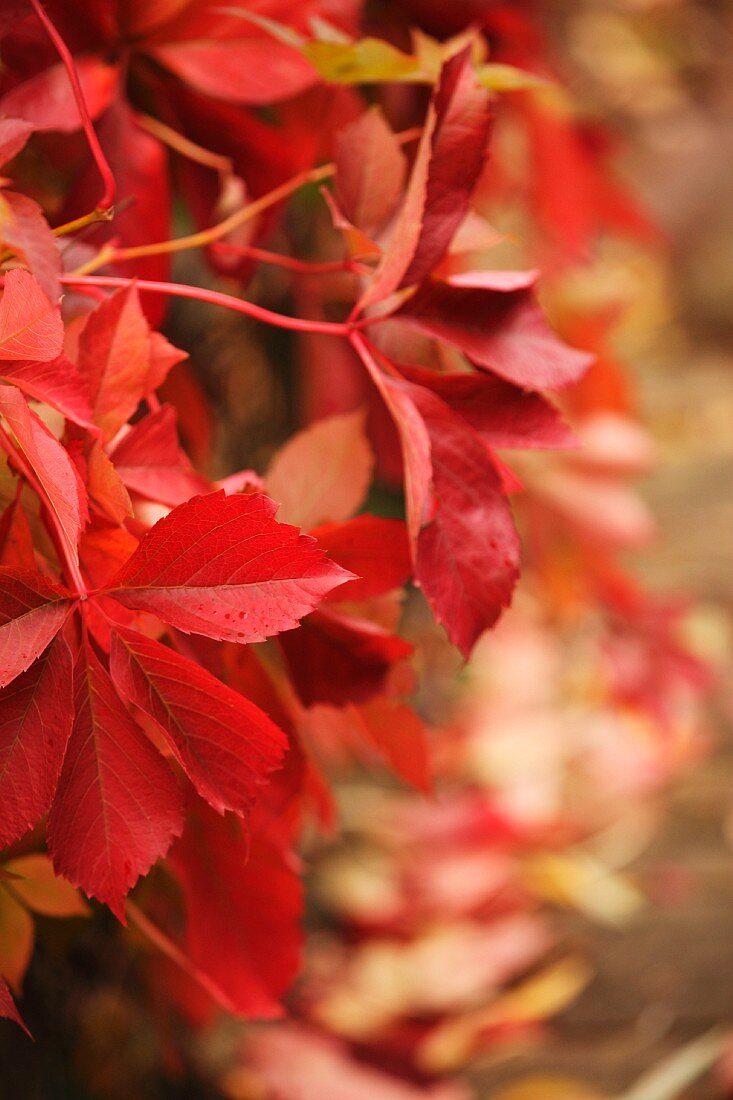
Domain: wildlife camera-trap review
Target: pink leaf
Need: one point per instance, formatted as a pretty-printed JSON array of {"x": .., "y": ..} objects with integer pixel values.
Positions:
[
  {"x": 222, "y": 566},
  {"x": 30, "y": 325},
  {"x": 323, "y": 473},
  {"x": 47, "y": 101},
  {"x": 117, "y": 805},
  {"x": 246, "y": 70},
  {"x": 24, "y": 230},
  {"x": 14, "y": 133},
  {"x": 36, "y": 715},
  {"x": 32, "y": 611},
  {"x": 370, "y": 171},
  {"x": 225, "y": 744}
]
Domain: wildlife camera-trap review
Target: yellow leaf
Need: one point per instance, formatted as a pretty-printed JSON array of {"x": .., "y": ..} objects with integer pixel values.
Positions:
[
  {"x": 370, "y": 60},
  {"x": 42, "y": 890},
  {"x": 16, "y": 939},
  {"x": 508, "y": 78}
]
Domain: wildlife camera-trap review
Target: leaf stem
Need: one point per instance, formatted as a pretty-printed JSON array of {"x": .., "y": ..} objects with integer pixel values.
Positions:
[
  {"x": 106, "y": 202},
  {"x": 214, "y": 298},
  {"x": 290, "y": 263}
]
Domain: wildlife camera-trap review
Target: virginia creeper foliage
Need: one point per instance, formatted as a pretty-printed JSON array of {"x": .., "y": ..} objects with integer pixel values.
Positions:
[{"x": 181, "y": 655}]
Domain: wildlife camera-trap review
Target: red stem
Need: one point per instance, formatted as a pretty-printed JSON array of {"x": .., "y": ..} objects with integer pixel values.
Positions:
[
  {"x": 214, "y": 298},
  {"x": 303, "y": 267},
  {"x": 107, "y": 200}
]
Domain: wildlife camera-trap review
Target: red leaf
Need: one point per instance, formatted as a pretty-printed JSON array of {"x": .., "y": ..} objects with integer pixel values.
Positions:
[
  {"x": 151, "y": 463},
  {"x": 337, "y": 659},
  {"x": 14, "y": 133},
  {"x": 375, "y": 549},
  {"x": 16, "y": 540},
  {"x": 114, "y": 358},
  {"x": 57, "y": 383},
  {"x": 370, "y": 171},
  {"x": 47, "y": 101},
  {"x": 399, "y": 735},
  {"x": 468, "y": 554},
  {"x": 323, "y": 473},
  {"x": 24, "y": 229},
  {"x": 30, "y": 325},
  {"x": 414, "y": 440},
  {"x": 8, "y": 1008},
  {"x": 222, "y": 566},
  {"x": 117, "y": 805},
  {"x": 458, "y": 151},
  {"x": 243, "y": 905},
  {"x": 499, "y": 327},
  {"x": 50, "y": 463},
  {"x": 246, "y": 70},
  {"x": 503, "y": 415},
  {"x": 225, "y": 744},
  {"x": 446, "y": 168},
  {"x": 36, "y": 715},
  {"x": 32, "y": 611}
]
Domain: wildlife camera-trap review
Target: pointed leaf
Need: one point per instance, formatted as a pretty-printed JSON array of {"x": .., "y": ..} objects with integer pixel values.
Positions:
[
  {"x": 117, "y": 805},
  {"x": 151, "y": 463},
  {"x": 468, "y": 554},
  {"x": 370, "y": 171},
  {"x": 14, "y": 133},
  {"x": 338, "y": 659},
  {"x": 16, "y": 540},
  {"x": 323, "y": 473},
  {"x": 242, "y": 898},
  {"x": 226, "y": 745},
  {"x": 503, "y": 415},
  {"x": 375, "y": 549},
  {"x": 246, "y": 70},
  {"x": 499, "y": 327},
  {"x": 57, "y": 383},
  {"x": 457, "y": 158},
  {"x": 16, "y": 939},
  {"x": 47, "y": 101},
  {"x": 43, "y": 891},
  {"x": 24, "y": 230},
  {"x": 8, "y": 1009},
  {"x": 222, "y": 566},
  {"x": 36, "y": 715},
  {"x": 114, "y": 358},
  {"x": 32, "y": 611},
  {"x": 30, "y": 325},
  {"x": 51, "y": 464}
]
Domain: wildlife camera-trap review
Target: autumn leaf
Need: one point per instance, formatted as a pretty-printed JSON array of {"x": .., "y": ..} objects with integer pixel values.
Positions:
[
  {"x": 222, "y": 566},
  {"x": 32, "y": 611},
  {"x": 225, "y": 744},
  {"x": 117, "y": 805}
]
